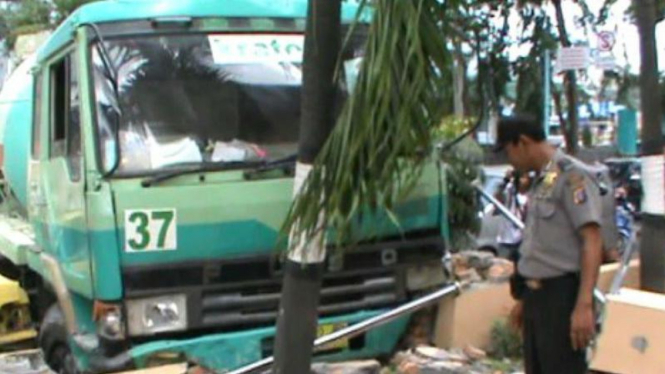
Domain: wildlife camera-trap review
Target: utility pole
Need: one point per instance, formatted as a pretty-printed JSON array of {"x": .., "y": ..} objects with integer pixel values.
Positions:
[
  {"x": 547, "y": 94},
  {"x": 303, "y": 268},
  {"x": 570, "y": 83},
  {"x": 652, "y": 242}
]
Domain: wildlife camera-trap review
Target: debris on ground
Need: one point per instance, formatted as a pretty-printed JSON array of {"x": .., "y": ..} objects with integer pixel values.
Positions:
[
  {"x": 500, "y": 271},
  {"x": 351, "y": 367},
  {"x": 479, "y": 266},
  {"x": 432, "y": 360},
  {"x": 24, "y": 362}
]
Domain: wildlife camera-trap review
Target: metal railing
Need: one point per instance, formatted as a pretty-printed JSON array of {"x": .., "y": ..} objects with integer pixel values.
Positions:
[{"x": 368, "y": 324}]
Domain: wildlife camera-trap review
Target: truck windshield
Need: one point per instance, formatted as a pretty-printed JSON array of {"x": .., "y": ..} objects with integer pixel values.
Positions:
[{"x": 202, "y": 98}]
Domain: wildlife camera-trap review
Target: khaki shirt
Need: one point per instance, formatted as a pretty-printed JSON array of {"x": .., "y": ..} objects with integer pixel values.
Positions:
[{"x": 562, "y": 200}]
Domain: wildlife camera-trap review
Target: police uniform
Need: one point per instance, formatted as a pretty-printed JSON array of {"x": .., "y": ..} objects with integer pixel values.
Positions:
[{"x": 562, "y": 200}]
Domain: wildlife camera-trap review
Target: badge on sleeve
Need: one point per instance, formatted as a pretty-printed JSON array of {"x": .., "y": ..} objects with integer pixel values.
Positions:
[{"x": 579, "y": 195}]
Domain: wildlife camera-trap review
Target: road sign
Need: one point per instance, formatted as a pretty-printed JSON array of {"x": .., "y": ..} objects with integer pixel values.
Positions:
[
  {"x": 606, "y": 41},
  {"x": 605, "y": 62},
  {"x": 572, "y": 58}
]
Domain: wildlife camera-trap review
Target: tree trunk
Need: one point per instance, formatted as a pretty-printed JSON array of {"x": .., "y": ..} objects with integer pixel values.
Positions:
[
  {"x": 556, "y": 96},
  {"x": 303, "y": 269},
  {"x": 459, "y": 80},
  {"x": 653, "y": 207},
  {"x": 570, "y": 82}
]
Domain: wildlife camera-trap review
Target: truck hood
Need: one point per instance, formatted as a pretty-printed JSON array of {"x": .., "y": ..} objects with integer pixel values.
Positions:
[{"x": 189, "y": 218}]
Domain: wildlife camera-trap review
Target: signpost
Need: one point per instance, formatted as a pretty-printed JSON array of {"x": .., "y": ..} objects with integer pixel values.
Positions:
[
  {"x": 604, "y": 59},
  {"x": 572, "y": 58},
  {"x": 606, "y": 41}
]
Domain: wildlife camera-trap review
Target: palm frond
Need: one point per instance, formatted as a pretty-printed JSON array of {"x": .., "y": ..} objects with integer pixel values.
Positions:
[{"x": 384, "y": 133}]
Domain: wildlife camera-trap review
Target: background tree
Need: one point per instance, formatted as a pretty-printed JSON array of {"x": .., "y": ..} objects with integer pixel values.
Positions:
[
  {"x": 25, "y": 17},
  {"x": 28, "y": 16},
  {"x": 63, "y": 8}
]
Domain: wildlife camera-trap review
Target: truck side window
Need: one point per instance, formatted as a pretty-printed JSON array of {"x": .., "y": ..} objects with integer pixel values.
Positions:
[
  {"x": 37, "y": 117},
  {"x": 65, "y": 121},
  {"x": 74, "y": 123}
]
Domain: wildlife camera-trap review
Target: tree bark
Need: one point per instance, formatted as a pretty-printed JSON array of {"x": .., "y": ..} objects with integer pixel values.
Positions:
[
  {"x": 459, "y": 80},
  {"x": 570, "y": 82},
  {"x": 303, "y": 270},
  {"x": 652, "y": 272}
]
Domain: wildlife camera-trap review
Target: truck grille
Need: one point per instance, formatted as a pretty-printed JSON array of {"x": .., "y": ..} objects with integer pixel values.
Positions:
[
  {"x": 239, "y": 293},
  {"x": 339, "y": 295}
]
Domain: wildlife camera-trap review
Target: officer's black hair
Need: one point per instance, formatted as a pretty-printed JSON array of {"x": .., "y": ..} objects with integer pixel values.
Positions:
[{"x": 511, "y": 128}]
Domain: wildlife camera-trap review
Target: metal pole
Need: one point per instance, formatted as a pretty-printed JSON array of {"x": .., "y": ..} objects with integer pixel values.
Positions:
[
  {"x": 502, "y": 208},
  {"x": 359, "y": 328},
  {"x": 547, "y": 76},
  {"x": 625, "y": 263}
]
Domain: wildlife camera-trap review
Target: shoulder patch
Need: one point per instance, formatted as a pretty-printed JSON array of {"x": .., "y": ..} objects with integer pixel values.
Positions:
[{"x": 579, "y": 195}]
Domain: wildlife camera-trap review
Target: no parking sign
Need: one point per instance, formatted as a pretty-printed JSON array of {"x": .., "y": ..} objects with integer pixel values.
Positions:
[{"x": 606, "y": 41}]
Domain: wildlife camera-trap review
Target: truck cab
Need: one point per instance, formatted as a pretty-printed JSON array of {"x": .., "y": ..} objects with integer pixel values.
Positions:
[{"x": 150, "y": 165}]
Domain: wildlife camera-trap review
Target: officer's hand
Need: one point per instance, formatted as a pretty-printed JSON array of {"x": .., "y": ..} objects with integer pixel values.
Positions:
[
  {"x": 582, "y": 327},
  {"x": 515, "y": 318}
]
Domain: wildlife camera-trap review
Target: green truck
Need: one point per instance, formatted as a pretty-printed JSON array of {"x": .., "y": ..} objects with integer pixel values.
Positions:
[{"x": 148, "y": 167}]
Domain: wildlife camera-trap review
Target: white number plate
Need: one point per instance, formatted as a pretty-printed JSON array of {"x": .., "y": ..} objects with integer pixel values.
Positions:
[{"x": 150, "y": 230}]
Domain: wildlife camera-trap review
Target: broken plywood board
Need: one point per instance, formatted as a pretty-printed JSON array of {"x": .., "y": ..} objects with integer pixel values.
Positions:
[
  {"x": 468, "y": 318},
  {"x": 168, "y": 369}
]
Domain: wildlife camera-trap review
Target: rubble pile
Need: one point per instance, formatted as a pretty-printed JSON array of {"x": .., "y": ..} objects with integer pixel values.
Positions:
[
  {"x": 479, "y": 266},
  {"x": 432, "y": 360},
  {"x": 23, "y": 362}
]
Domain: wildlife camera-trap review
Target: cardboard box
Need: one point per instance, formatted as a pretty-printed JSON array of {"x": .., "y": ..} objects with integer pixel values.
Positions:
[
  {"x": 632, "y": 341},
  {"x": 468, "y": 318}
]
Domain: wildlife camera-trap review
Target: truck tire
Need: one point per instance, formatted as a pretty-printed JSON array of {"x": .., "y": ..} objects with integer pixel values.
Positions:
[{"x": 52, "y": 340}]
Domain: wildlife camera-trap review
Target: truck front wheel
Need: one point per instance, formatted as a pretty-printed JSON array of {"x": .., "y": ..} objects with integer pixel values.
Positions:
[{"x": 53, "y": 342}]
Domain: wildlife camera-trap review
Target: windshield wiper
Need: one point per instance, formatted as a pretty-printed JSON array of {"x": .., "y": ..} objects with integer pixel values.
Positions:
[
  {"x": 285, "y": 163},
  {"x": 197, "y": 168}
]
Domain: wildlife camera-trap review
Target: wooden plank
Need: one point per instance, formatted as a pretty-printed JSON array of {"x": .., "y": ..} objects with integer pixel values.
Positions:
[{"x": 167, "y": 369}]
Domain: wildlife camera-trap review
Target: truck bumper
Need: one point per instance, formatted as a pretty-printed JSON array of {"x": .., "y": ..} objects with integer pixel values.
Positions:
[{"x": 229, "y": 351}]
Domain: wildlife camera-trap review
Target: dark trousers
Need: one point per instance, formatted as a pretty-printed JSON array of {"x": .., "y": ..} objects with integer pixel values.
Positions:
[{"x": 546, "y": 316}]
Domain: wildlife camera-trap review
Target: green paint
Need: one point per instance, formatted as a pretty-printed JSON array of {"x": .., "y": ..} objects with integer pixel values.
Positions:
[
  {"x": 228, "y": 351},
  {"x": 627, "y": 132}
]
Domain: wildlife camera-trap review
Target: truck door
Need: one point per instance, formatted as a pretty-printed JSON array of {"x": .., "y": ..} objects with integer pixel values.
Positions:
[
  {"x": 62, "y": 174},
  {"x": 36, "y": 202}
]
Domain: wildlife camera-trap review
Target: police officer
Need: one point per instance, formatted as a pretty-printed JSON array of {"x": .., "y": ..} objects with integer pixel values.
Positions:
[{"x": 560, "y": 253}]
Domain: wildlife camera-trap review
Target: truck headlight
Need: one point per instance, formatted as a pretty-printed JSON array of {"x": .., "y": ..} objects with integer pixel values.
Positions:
[
  {"x": 156, "y": 314},
  {"x": 110, "y": 325}
]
